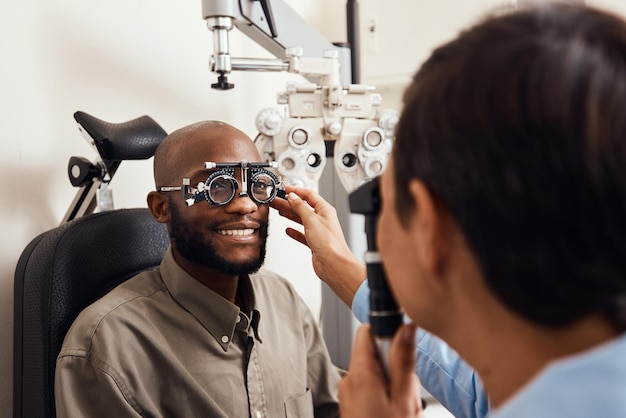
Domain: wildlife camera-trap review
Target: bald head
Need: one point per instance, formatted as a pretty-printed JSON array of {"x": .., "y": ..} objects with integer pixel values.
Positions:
[{"x": 189, "y": 147}]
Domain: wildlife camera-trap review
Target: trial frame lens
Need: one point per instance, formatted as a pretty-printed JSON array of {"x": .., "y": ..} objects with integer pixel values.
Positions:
[{"x": 220, "y": 188}]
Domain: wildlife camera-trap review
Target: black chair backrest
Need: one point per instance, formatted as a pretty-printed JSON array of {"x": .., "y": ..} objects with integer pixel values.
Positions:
[{"x": 61, "y": 272}]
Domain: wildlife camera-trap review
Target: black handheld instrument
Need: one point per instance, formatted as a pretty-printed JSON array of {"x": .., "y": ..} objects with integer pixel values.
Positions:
[{"x": 385, "y": 315}]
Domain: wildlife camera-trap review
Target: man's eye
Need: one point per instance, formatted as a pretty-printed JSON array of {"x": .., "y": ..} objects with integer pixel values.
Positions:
[
  {"x": 259, "y": 185},
  {"x": 217, "y": 186}
]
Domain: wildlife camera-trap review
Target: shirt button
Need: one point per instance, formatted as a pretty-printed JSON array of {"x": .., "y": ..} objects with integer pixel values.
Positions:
[
  {"x": 224, "y": 339},
  {"x": 238, "y": 320}
]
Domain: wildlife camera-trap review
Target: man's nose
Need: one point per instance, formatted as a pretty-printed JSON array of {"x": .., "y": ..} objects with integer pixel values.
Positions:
[{"x": 241, "y": 202}]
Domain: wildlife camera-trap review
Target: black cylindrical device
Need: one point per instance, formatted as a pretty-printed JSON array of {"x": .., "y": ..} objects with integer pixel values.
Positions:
[{"x": 385, "y": 315}]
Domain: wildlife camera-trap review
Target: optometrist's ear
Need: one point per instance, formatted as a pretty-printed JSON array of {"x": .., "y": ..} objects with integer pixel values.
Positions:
[
  {"x": 158, "y": 203},
  {"x": 432, "y": 223}
]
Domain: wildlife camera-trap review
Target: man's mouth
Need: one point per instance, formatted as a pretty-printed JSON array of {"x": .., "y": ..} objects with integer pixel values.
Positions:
[{"x": 236, "y": 232}]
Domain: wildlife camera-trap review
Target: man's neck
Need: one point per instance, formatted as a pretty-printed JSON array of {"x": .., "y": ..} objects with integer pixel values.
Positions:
[{"x": 224, "y": 285}]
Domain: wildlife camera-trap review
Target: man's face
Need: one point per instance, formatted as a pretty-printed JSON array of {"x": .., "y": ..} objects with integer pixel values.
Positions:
[
  {"x": 230, "y": 238},
  {"x": 213, "y": 244}
]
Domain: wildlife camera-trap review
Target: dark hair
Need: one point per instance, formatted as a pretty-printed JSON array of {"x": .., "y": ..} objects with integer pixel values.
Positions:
[{"x": 518, "y": 127}]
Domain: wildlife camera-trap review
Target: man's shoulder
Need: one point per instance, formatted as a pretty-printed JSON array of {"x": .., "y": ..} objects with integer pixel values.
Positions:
[
  {"x": 269, "y": 274},
  {"x": 142, "y": 285},
  {"x": 118, "y": 304},
  {"x": 269, "y": 285},
  {"x": 270, "y": 279}
]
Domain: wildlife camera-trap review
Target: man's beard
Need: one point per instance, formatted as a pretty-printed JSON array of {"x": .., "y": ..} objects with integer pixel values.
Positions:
[{"x": 194, "y": 247}]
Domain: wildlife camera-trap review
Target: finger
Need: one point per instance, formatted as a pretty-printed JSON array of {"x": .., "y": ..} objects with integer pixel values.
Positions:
[
  {"x": 301, "y": 208},
  {"x": 363, "y": 350},
  {"x": 314, "y": 199},
  {"x": 291, "y": 216},
  {"x": 296, "y": 235},
  {"x": 417, "y": 396},
  {"x": 308, "y": 195},
  {"x": 282, "y": 206},
  {"x": 285, "y": 210},
  {"x": 402, "y": 366}
]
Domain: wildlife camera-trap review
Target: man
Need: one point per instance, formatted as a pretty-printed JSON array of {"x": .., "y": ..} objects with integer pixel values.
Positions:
[
  {"x": 203, "y": 335},
  {"x": 502, "y": 225}
]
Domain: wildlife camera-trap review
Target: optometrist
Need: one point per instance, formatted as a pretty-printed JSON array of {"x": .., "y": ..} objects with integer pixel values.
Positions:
[{"x": 209, "y": 333}]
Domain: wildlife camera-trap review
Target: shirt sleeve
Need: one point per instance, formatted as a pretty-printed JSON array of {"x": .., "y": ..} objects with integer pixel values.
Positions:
[
  {"x": 82, "y": 389},
  {"x": 440, "y": 369}
]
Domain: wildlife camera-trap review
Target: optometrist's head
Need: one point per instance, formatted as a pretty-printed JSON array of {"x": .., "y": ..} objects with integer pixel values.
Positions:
[
  {"x": 507, "y": 127},
  {"x": 228, "y": 238}
]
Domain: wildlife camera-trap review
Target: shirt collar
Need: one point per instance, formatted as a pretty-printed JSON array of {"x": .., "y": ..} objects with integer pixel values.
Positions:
[{"x": 216, "y": 314}]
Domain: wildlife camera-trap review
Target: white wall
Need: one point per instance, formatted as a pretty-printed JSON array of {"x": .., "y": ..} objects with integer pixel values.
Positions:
[{"x": 120, "y": 59}]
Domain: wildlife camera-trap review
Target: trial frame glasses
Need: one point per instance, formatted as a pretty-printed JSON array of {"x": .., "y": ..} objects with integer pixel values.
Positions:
[{"x": 220, "y": 187}]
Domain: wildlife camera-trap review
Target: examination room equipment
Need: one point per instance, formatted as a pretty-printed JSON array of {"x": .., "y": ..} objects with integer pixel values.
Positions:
[
  {"x": 385, "y": 315},
  {"x": 135, "y": 139},
  {"x": 328, "y": 115}
]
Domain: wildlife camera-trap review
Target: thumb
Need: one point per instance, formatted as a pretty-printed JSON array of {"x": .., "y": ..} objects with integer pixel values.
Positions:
[
  {"x": 297, "y": 235},
  {"x": 300, "y": 207},
  {"x": 403, "y": 381}
]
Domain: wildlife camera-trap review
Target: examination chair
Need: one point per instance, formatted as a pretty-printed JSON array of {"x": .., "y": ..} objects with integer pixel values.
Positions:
[
  {"x": 61, "y": 272},
  {"x": 65, "y": 269}
]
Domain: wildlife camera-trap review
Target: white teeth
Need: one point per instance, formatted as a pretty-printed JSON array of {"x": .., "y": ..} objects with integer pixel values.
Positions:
[{"x": 237, "y": 232}]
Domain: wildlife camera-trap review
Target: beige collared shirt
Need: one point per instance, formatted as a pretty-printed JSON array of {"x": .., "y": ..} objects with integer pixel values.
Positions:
[{"x": 163, "y": 345}]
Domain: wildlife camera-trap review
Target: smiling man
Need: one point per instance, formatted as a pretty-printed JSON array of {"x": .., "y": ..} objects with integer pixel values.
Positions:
[{"x": 208, "y": 333}]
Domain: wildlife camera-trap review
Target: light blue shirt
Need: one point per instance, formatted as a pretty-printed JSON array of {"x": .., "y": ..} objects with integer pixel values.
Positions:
[
  {"x": 591, "y": 384},
  {"x": 440, "y": 369}
]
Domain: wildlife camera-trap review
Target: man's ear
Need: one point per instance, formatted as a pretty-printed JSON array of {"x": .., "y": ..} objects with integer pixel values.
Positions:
[
  {"x": 158, "y": 204},
  {"x": 431, "y": 224}
]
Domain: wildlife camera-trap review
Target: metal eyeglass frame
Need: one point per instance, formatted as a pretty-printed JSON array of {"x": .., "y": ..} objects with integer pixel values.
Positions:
[{"x": 249, "y": 170}]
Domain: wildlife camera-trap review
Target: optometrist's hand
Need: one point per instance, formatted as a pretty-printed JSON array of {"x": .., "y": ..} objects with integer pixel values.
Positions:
[
  {"x": 366, "y": 392},
  {"x": 333, "y": 261}
]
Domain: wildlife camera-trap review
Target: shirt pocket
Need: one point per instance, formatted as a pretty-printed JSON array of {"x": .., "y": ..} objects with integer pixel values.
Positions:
[{"x": 300, "y": 406}]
